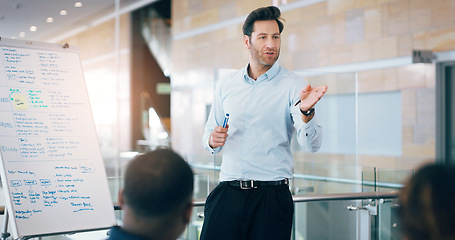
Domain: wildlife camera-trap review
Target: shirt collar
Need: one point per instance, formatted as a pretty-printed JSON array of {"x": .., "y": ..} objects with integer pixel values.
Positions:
[{"x": 269, "y": 75}]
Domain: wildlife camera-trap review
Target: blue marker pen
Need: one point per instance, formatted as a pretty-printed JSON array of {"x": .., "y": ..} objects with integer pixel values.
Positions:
[{"x": 226, "y": 119}]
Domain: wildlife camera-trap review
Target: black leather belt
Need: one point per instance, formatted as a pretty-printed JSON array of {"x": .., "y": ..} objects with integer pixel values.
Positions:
[{"x": 250, "y": 184}]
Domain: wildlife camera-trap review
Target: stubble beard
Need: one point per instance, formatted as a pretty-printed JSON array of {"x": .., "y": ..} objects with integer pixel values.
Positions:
[{"x": 257, "y": 57}]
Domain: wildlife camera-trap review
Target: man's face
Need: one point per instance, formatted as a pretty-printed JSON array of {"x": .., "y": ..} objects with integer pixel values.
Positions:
[{"x": 265, "y": 42}]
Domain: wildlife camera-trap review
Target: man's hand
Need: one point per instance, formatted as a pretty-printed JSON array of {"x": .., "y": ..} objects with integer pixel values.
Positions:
[
  {"x": 310, "y": 96},
  {"x": 218, "y": 136}
]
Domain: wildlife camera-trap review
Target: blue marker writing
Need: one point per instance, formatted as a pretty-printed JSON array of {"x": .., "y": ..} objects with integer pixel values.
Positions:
[{"x": 226, "y": 119}]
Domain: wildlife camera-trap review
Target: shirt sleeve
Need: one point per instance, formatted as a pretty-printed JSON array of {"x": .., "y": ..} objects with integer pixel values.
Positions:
[
  {"x": 309, "y": 135},
  {"x": 215, "y": 117}
]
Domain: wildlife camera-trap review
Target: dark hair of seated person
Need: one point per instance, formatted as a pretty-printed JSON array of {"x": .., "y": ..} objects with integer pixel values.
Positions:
[
  {"x": 427, "y": 204},
  {"x": 157, "y": 195}
]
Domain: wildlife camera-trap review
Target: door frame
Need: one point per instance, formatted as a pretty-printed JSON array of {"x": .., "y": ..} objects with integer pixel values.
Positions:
[{"x": 445, "y": 113}]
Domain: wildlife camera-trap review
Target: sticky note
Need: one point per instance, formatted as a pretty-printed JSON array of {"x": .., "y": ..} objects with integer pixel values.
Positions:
[{"x": 20, "y": 101}]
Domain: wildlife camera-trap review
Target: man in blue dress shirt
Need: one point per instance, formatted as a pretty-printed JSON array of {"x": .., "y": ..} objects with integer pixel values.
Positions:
[
  {"x": 265, "y": 102},
  {"x": 156, "y": 199}
]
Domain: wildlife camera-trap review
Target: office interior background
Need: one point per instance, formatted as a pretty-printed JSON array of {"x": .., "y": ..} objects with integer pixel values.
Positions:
[{"x": 151, "y": 67}]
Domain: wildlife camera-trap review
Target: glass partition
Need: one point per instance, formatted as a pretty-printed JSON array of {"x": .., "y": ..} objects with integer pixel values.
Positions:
[
  {"x": 334, "y": 168},
  {"x": 347, "y": 219},
  {"x": 325, "y": 220},
  {"x": 389, "y": 180},
  {"x": 193, "y": 230},
  {"x": 357, "y": 136},
  {"x": 388, "y": 226}
]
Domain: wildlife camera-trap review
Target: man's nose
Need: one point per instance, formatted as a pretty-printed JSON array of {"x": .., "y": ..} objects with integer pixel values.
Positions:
[{"x": 270, "y": 44}]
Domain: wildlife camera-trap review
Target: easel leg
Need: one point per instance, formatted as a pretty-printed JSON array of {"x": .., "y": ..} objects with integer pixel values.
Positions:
[{"x": 5, "y": 233}]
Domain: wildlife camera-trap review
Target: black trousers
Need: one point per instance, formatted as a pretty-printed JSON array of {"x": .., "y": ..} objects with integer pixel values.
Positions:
[{"x": 263, "y": 213}]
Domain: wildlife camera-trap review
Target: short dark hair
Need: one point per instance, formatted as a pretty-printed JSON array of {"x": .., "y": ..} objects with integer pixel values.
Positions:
[
  {"x": 427, "y": 206},
  {"x": 157, "y": 183},
  {"x": 262, "y": 14}
]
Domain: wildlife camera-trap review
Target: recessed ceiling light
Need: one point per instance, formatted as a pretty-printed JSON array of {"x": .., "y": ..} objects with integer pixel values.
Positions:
[
  {"x": 78, "y": 4},
  {"x": 22, "y": 34},
  {"x": 49, "y": 20},
  {"x": 33, "y": 28},
  {"x": 63, "y": 12}
]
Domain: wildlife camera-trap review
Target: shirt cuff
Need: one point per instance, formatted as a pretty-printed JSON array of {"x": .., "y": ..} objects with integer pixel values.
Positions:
[
  {"x": 210, "y": 149},
  {"x": 308, "y": 128}
]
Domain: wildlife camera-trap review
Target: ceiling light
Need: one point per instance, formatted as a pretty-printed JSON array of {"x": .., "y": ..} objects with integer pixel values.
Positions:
[
  {"x": 49, "y": 20},
  {"x": 22, "y": 34},
  {"x": 78, "y": 4},
  {"x": 33, "y": 28},
  {"x": 63, "y": 12}
]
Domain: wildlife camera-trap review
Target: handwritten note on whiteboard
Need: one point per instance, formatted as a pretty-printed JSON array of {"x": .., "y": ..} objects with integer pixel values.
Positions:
[{"x": 51, "y": 165}]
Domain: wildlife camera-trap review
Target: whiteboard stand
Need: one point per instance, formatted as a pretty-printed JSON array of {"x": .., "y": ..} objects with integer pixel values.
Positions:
[{"x": 5, "y": 233}]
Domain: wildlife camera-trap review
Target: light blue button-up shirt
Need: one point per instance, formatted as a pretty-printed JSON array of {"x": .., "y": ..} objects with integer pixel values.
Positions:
[{"x": 262, "y": 119}]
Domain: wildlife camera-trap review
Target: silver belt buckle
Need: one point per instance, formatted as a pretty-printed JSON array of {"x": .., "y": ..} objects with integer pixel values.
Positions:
[{"x": 244, "y": 184}]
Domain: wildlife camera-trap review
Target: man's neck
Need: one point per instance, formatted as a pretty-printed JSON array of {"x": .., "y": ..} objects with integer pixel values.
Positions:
[{"x": 255, "y": 70}]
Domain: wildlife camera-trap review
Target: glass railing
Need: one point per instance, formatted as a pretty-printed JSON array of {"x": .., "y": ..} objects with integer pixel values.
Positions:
[
  {"x": 355, "y": 215},
  {"x": 319, "y": 178},
  {"x": 322, "y": 193},
  {"x": 334, "y": 205},
  {"x": 346, "y": 216}
]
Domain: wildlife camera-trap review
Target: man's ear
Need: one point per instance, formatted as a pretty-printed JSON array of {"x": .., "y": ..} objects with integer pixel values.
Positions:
[
  {"x": 246, "y": 41},
  {"x": 120, "y": 198}
]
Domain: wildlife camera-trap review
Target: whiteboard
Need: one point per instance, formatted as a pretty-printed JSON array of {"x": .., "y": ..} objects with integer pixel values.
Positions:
[{"x": 52, "y": 170}]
